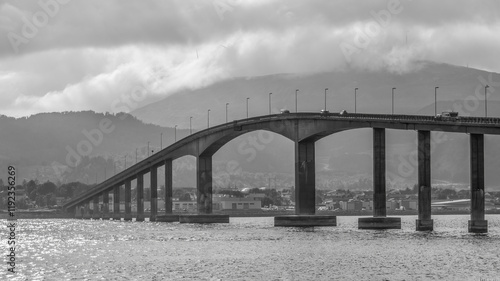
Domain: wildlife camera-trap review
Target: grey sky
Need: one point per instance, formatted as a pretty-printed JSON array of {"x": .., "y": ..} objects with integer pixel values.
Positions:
[{"x": 80, "y": 55}]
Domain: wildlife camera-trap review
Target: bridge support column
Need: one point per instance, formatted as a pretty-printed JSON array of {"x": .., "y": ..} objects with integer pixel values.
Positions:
[
  {"x": 477, "y": 223},
  {"x": 86, "y": 212},
  {"x": 96, "y": 213},
  {"x": 128, "y": 200},
  {"x": 105, "y": 205},
  {"x": 305, "y": 191},
  {"x": 379, "y": 220},
  {"x": 424, "y": 221},
  {"x": 140, "y": 197},
  {"x": 204, "y": 184},
  {"x": 204, "y": 192},
  {"x": 168, "y": 216},
  {"x": 78, "y": 212},
  {"x": 154, "y": 193},
  {"x": 116, "y": 203},
  {"x": 305, "y": 178}
]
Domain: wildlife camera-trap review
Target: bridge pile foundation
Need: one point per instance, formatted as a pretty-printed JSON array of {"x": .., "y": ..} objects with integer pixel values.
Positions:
[
  {"x": 140, "y": 198},
  {"x": 379, "y": 219},
  {"x": 204, "y": 218},
  {"x": 96, "y": 213},
  {"x": 116, "y": 203},
  {"x": 128, "y": 201},
  {"x": 86, "y": 212},
  {"x": 477, "y": 223},
  {"x": 105, "y": 205},
  {"x": 305, "y": 220},
  {"x": 424, "y": 221},
  {"x": 168, "y": 186},
  {"x": 154, "y": 193}
]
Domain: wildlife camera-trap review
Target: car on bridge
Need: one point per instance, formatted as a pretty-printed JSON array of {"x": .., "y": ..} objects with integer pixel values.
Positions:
[
  {"x": 324, "y": 111},
  {"x": 284, "y": 111},
  {"x": 448, "y": 115}
]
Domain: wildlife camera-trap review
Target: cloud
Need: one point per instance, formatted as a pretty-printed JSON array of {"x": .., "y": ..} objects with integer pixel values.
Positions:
[{"x": 90, "y": 54}]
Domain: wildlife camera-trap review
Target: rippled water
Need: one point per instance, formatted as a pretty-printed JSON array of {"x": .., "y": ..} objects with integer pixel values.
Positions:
[{"x": 253, "y": 249}]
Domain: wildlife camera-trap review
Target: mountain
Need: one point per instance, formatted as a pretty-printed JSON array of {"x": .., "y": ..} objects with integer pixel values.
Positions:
[
  {"x": 47, "y": 146},
  {"x": 345, "y": 157}
]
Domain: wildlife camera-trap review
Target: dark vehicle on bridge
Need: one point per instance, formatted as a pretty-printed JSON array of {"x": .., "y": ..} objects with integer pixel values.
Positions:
[
  {"x": 448, "y": 115},
  {"x": 343, "y": 112},
  {"x": 285, "y": 111},
  {"x": 324, "y": 111}
]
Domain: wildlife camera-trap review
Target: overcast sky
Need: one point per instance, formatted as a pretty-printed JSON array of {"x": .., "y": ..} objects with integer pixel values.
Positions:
[{"x": 94, "y": 54}]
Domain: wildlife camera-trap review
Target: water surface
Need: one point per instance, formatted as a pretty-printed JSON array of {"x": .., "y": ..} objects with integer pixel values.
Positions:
[{"x": 253, "y": 249}]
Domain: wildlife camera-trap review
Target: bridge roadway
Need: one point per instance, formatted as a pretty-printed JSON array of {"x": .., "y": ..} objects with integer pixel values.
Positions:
[{"x": 304, "y": 129}]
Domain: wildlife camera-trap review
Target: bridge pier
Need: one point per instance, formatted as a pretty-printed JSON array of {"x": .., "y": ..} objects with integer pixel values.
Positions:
[
  {"x": 154, "y": 192},
  {"x": 204, "y": 195},
  {"x": 78, "y": 212},
  {"x": 379, "y": 219},
  {"x": 86, "y": 213},
  {"x": 168, "y": 216},
  {"x": 305, "y": 191},
  {"x": 128, "y": 200},
  {"x": 140, "y": 197},
  {"x": 105, "y": 205},
  {"x": 424, "y": 221},
  {"x": 116, "y": 203},
  {"x": 168, "y": 186},
  {"x": 477, "y": 223},
  {"x": 96, "y": 213}
]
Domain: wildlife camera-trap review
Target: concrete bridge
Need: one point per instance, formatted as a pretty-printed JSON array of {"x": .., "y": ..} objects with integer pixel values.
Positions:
[{"x": 304, "y": 129}]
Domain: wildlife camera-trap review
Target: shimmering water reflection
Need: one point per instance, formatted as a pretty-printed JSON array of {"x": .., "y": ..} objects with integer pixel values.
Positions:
[{"x": 253, "y": 249}]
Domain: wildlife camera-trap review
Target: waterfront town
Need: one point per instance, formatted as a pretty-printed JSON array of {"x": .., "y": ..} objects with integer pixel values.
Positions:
[{"x": 34, "y": 196}]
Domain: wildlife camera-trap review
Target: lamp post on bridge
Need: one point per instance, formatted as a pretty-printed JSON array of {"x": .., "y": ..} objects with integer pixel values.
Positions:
[
  {"x": 161, "y": 141},
  {"x": 393, "y": 100},
  {"x": 175, "y": 133},
  {"x": 247, "y": 106},
  {"x": 190, "y": 128},
  {"x": 125, "y": 162},
  {"x": 296, "y": 105},
  {"x": 435, "y": 100},
  {"x": 136, "y": 155},
  {"x": 326, "y": 89},
  {"x": 270, "y": 103},
  {"x": 148, "y": 148},
  {"x": 486, "y": 100},
  {"x": 226, "y": 110},
  {"x": 355, "y": 93},
  {"x": 208, "y": 118}
]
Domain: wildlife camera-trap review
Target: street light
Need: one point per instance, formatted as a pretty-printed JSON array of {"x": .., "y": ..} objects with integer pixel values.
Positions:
[
  {"x": 148, "y": 148},
  {"x": 175, "y": 133},
  {"x": 125, "y": 162},
  {"x": 136, "y": 155},
  {"x": 226, "y": 110},
  {"x": 190, "y": 129},
  {"x": 486, "y": 100},
  {"x": 326, "y": 89},
  {"x": 296, "y": 91},
  {"x": 270, "y": 103},
  {"x": 435, "y": 100},
  {"x": 208, "y": 118},
  {"x": 247, "y": 106},
  {"x": 355, "y": 92},
  {"x": 393, "y": 100},
  {"x": 161, "y": 141}
]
